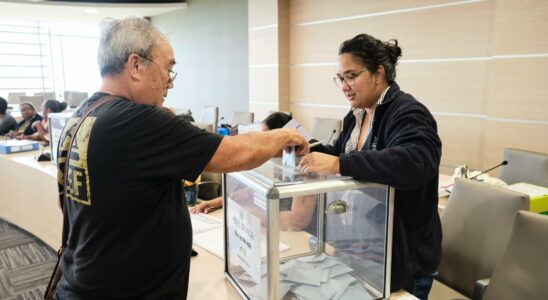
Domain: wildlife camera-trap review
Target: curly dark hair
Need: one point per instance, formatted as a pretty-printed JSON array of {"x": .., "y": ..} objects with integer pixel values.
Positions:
[{"x": 373, "y": 53}]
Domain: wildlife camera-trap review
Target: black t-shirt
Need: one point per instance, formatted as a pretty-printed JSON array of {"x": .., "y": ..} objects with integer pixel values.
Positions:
[
  {"x": 25, "y": 126},
  {"x": 130, "y": 231}
]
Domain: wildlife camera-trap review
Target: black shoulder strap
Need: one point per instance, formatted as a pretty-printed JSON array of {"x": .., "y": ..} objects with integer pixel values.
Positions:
[{"x": 99, "y": 102}]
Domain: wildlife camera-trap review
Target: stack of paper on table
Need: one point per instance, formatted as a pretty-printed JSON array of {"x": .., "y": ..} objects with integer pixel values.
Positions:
[{"x": 207, "y": 233}]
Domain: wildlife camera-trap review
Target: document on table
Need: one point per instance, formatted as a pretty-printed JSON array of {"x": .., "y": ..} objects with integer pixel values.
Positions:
[
  {"x": 211, "y": 241},
  {"x": 208, "y": 234},
  {"x": 203, "y": 222}
]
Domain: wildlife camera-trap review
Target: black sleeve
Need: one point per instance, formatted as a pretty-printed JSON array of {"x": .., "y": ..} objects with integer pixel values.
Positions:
[
  {"x": 155, "y": 143},
  {"x": 411, "y": 157},
  {"x": 174, "y": 147},
  {"x": 327, "y": 149}
]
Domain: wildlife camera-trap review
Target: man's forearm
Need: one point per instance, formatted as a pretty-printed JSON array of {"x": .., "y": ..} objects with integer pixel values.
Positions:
[{"x": 247, "y": 151}]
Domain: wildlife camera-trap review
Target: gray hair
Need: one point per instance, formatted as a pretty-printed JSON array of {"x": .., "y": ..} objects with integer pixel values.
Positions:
[{"x": 120, "y": 38}]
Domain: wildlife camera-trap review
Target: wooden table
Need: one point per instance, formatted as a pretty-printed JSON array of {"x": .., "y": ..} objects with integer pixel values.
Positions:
[{"x": 29, "y": 199}]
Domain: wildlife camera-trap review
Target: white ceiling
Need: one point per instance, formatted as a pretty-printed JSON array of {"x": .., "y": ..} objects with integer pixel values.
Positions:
[{"x": 28, "y": 10}]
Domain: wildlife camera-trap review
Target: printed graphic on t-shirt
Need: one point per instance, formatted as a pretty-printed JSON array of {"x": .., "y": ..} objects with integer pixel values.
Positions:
[{"x": 77, "y": 187}]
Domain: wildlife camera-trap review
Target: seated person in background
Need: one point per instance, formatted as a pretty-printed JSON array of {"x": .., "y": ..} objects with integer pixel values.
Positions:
[
  {"x": 273, "y": 121},
  {"x": 41, "y": 127},
  {"x": 299, "y": 215},
  {"x": 24, "y": 127},
  {"x": 7, "y": 122}
]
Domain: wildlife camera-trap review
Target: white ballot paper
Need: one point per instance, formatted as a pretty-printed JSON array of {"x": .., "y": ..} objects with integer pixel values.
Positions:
[
  {"x": 294, "y": 124},
  {"x": 318, "y": 277},
  {"x": 289, "y": 158}
]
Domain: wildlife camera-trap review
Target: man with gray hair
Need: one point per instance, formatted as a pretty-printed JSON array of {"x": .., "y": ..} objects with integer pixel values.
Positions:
[{"x": 130, "y": 234}]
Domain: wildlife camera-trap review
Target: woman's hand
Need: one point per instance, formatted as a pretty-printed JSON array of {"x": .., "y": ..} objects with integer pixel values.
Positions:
[
  {"x": 12, "y": 134},
  {"x": 317, "y": 162},
  {"x": 207, "y": 206}
]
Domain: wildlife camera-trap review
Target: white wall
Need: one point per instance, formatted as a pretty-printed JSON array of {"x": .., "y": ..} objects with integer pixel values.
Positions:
[{"x": 210, "y": 41}]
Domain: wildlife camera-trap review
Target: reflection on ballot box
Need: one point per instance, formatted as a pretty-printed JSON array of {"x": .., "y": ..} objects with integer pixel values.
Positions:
[{"x": 291, "y": 235}]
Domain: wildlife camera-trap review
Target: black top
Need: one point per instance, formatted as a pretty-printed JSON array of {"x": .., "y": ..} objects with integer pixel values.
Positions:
[
  {"x": 130, "y": 231},
  {"x": 403, "y": 150},
  {"x": 28, "y": 130}
]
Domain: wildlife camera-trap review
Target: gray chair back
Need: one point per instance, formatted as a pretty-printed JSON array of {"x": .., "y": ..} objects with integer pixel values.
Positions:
[
  {"x": 210, "y": 114},
  {"x": 74, "y": 99},
  {"x": 13, "y": 97},
  {"x": 525, "y": 166},
  {"x": 522, "y": 270},
  {"x": 323, "y": 129},
  {"x": 46, "y": 95},
  {"x": 242, "y": 117},
  {"x": 476, "y": 224},
  {"x": 36, "y": 101}
]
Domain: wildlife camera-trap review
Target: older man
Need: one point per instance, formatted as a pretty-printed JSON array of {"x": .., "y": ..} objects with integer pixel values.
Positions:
[{"x": 130, "y": 231}]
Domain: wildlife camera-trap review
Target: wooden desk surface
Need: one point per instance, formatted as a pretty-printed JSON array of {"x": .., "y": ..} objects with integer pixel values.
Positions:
[
  {"x": 28, "y": 196},
  {"x": 29, "y": 199}
]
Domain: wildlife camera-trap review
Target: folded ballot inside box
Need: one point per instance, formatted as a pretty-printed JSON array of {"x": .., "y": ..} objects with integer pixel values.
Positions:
[{"x": 14, "y": 146}]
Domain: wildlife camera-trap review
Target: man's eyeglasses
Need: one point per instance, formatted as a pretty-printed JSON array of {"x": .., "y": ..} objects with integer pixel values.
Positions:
[
  {"x": 349, "y": 78},
  {"x": 172, "y": 75}
]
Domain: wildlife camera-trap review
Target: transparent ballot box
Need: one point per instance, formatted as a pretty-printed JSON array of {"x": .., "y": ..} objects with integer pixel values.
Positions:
[{"x": 291, "y": 235}]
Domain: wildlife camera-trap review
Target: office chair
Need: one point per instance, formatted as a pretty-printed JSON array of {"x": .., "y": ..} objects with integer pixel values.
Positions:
[
  {"x": 476, "y": 224},
  {"x": 323, "y": 129},
  {"x": 74, "y": 99},
  {"x": 36, "y": 101},
  {"x": 242, "y": 117},
  {"x": 521, "y": 272},
  {"x": 525, "y": 166},
  {"x": 13, "y": 97},
  {"x": 210, "y": 114},
  {"x": 285, "y": 112},
  {"x": 210, "y": 186},
  {"x": 46, "y": 95}
]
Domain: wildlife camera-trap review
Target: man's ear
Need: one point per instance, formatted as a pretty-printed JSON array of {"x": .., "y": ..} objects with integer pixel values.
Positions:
[{"x": 134, "y": 66}]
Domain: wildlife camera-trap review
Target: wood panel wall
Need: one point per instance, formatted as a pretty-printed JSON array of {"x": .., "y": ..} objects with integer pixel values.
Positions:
[{"x": 480, "y": 66}]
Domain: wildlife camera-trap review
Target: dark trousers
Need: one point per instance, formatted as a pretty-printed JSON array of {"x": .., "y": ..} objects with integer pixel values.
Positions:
[{"x": 420, "y": 287}]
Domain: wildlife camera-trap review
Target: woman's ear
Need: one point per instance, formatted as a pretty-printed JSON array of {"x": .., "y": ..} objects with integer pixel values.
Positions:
[{"x": 380, "y": 74}]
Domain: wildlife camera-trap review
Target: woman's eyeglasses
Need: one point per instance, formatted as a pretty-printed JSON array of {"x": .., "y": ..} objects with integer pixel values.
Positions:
[{"x": 349, "y": 78}]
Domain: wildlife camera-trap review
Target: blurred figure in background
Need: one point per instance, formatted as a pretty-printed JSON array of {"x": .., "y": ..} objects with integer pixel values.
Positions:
[
  {"x": 29, "y": 115},
  {"x": 41, "y": 127},
  {"x": 7, "y": 122}
]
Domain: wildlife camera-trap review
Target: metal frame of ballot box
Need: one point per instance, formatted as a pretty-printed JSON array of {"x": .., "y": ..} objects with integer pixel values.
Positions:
[{"x": 280, "y": 190}]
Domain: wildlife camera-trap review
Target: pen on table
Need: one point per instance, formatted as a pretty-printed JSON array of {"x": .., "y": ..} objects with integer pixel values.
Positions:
[{"x": 315, "y": 144}]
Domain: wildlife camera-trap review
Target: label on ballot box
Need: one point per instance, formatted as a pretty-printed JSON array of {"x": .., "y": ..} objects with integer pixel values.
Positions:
[
  {"x": 14, "y": 146},
  {"x": 243, "y": 230}
]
